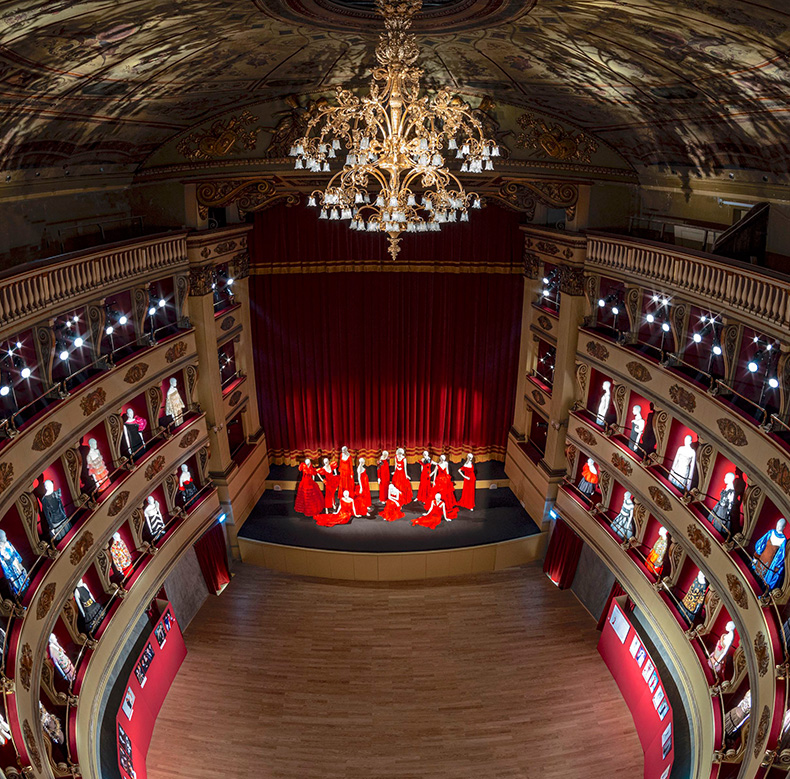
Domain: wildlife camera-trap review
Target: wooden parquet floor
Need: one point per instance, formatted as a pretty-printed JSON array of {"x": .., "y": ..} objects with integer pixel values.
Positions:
[{"x": 489, "y": 677}]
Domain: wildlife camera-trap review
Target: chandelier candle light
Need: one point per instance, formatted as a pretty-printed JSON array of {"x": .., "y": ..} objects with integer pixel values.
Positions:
[{"x": 395, "y": 178}]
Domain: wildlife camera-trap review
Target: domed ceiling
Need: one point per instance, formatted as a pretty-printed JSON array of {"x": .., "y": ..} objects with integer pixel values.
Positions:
[{"x": 699, "y": 83}]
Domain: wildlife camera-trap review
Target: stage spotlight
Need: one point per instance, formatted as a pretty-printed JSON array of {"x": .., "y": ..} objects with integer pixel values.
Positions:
[
  {"x": 229, "y": 281},
  {"x": 717, "y": 350},
  {"x": 4, "y": 390},
  {"x": 151, "y": 311},
  {"x": 162, "y": 303},
  {"x": 601, "y": 302},
  {"x": 615, "y": 310},
  {"x": 703, "y": 318},
  {"x": 25, "y": 373},
  {"x": 665, "y": 302},
  {"x": 122, "y": 320},
  {"x": 18, "y": 344},
  {"x": 752, "y": 366},
  {"x": 64, "y": 355},
  {"x": 665, "y": 327},
  {"x": 546, "y": 293},
  {"x": 697, "y": 338},
  {"x": 655, "y": 298},
  {"x": 110, "y": 330},
  {"x": 773, "y": 382},
  {"x": 650, "y": 318},
  {"x": 545, "y": 280},
  {"x": 78, "y": 342}
]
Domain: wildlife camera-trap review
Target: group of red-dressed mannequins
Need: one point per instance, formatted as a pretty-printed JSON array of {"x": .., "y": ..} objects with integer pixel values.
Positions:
[{"x": 347, "y": 489}]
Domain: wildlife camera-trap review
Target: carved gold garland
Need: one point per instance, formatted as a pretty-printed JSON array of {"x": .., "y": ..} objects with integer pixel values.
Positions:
[{"x": 249, "y": 194}]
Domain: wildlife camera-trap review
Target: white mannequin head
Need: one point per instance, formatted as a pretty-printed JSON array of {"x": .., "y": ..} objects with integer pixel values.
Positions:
[
  {"x": 469, "y": 457},
  {"x": 81, "y": 583},
  {"x": 93, "y": 444},
  {"x": 607, "y": 386},
  {"x": 780, "y": 527},
  {"x": 637, "y": 411},
  {"x": 426, "y": 455},
  {"x": 687, "y": 441},
  {"x": 3, "y": 537},
  {"x": 53, "y": 639},
  {"x": 49, "y": 486},
  {"x": 399, "y": 453},
  {"x": 701, "y": 578},
  {"x": 438, "y": 498},
  {"x": 729, "y": 478},
  {"x": 346, "y": 494},
  {"x": 362, "y": 462},
  {"x": 662, "y": 531},
  {"x": 130, "y": 414},
  {"x": 151, "y": 500},
  {"x": 442, "y": 458},
  {"x": 185, "y": 468},
  {"x": 173, "y": 383},
  {"x": 306, "y": 461},
  {"x": 730, "y": 627},
  {"x": 326, "y": 461},
  {"x": 627, "y": 497},
  {"x": 344, "y": 450},
  {"x": 116, "y": 536},
  {"x": 591, "y": 462},
  {"x": 385, "y": 455}
]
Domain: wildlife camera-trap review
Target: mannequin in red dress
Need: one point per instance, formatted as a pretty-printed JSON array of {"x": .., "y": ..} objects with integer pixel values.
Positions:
[
  {"x": 362, "y": 499},
  {"x": 345, "y": 468},
  {"x": 424, "y": 492},
  {"x": 443, "y": 482},
  {"x": 401, "y": 478},
  {"x": 436, "y": 513},
  {"x": 328, "y": 472},
  {"x": 392, "y": 510},
  {"x": 309, "y": 499},
  {"x": 383, "y": 475},
  {"x": 468, "y": 474},
  {"x": 342, "y": 516}
]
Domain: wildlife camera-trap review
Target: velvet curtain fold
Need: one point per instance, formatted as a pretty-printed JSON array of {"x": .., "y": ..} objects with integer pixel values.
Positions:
[
  {"x": 375, "y": 360},
  {"x": 213, "y": 558},
  {"x": 562, "y": 556}
]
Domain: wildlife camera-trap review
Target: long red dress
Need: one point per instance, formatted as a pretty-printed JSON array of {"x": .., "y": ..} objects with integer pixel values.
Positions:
[
  {"x": 342, "y": 516},
  {"x": 346, "y": 470},
  {"x": 424, "y": 492},
  {"x": 392, "y": 510},
  {"x": 435, "y": 515},
  {"x": 384, "y": 480},
  {"x": 445, "y": 487},
  {"x": 309, "y": 499},
  {"x": 362, "y": 499},
  {"x": 331, "y": 482},
  {"x": 401, "y": 480},
  {"x": 468, "y": 495}
]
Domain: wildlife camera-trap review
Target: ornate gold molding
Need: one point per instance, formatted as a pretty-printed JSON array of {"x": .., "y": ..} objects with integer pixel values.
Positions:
[
  {"x": 249, "y": 194},
  {"x": 553, "y": 140},
  {"x": 220, "y": 138}
]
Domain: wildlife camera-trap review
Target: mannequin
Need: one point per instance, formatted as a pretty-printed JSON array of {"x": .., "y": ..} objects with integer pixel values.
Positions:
[
  {"x": 470, "y": 479},
  {"x": 362, "y": 498},
  {"x": 133, "y": 427},
  {"x": 383, "y": 476},
  {"x": 186, "y": 486},
  {"x": 154, "y": 519},
  {"x": 692, "y": 600},
  {"x": 309, "y": 500},
  {"x": 400, "y": 478},
  {"x": 61, "y": 659},
  {"x": 90, "y": 610},
  {"x": 443, "y": 483},
  {"x": 97, "y": 469},
  {"x": 637, "y": 428},
  {"x": 51, "y": 725},
  {"x": 174, "y": 405},
  {"x": 424, "y": 491},
  {"x": 435, "y": 514},
  {"x": 120, "y": 555},
  {"x": 721, "y": 513},
  {"x": 331, "y": 480},
  {"x": 719, "y": 655},
  {"x": 769, "y": 556},
  {"x": 603, "y": 403},
  {"x": 589, "y": 480},
  {"x": 655, "y": 558},
  {"x": 5, "y": 731},
  {"x": 737, "y": 716},
  {"x": 346, "y": 470},
  {"x": 54, "y": 513},
  {"x": 11, "y": 563},
  {"x": 682, "y": 470},
  {"x": 343, "y": 515},
  {"x": 623, "y": 523},
  {"x": 392, "y": 510}
]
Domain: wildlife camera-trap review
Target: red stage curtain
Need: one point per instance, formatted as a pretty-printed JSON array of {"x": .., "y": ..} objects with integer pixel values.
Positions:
[
  {"x": 375, "y": 360},
  {"x": 562, "y": 556},
  {"x": 616, "y": 591},
  {"x": 213, "y": 558}
]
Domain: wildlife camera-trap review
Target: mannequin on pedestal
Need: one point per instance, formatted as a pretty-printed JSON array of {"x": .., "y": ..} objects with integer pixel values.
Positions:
[
  {"x": 769, "y": 556},
  {"x": 51, "y": 725},
  {"x": 603, "y": 403},
  {"x": 720, "y": 515},
  {"x": 90, "y": 610},
  {"x": 5, "y": 731},
  {"x": 637, "y": 428},
  {"x": 682, "y": 471},
  {"x": 186, "y": 485},
  {"x": 590, "y": 476},
  {"x": 623, "y": 523},
  {"x": 470, "y": 479},
  {"x": 97, "y": 469},
  {"x": 174, "y": 405},
  {"x": 692, "y": 600},
  {"x": 154, "y": 519},
  {"x": 54, "y": 513},
  {"x": 719, "y": 654},
  {"x": 655, "y": 558},
  {"x": 735, "y": 717},
  {"x": 120, "y": 555},
  {"x": 133, "y": 427},
  {"x": 443, "y": 483}
]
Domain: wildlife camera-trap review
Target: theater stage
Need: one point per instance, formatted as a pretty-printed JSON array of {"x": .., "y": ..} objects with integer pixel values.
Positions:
[{"x": 497, "y": 534}]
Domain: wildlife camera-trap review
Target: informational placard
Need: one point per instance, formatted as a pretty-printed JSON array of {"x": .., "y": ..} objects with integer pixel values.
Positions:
[
  {"x": 146, "y": 690},
  {"x": 640, "y": 684}
]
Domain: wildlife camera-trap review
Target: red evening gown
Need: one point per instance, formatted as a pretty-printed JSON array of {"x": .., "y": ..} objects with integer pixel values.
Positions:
[
  {"x": 424, "y": 492},
  {"x": 341, "y": 517},
  {"x": 445, "y": 487},
  {"x": 434, "y": 516},
  {"x": 401, "y": 480},
  {"x": 384, "y": 480},
  {"x": 331, "y": 481},
  {"x": 468, "y": 495},
  {"x": 362, "y": 499},
  {"x": 309, "y": 499},
  {"x": 346, "y": 470},
  {"x": 392, "y": 511}
]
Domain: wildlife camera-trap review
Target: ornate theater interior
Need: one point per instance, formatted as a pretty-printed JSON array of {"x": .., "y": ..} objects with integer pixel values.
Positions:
[{"x": 290, "y": 489}]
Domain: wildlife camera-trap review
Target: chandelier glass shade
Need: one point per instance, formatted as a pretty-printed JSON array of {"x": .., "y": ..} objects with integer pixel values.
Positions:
[{"x": 394, "y": 177}]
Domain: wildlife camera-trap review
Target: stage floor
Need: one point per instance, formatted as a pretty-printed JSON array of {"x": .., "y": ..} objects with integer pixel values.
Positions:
[{"x": 498, "y": 517}]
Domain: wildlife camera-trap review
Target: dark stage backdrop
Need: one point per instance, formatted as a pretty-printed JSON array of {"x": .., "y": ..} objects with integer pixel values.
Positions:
[{"x": 376, "y": 360}]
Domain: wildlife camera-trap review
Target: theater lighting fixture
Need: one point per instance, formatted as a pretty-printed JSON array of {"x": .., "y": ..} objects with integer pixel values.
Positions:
[
  {"x": 109, "y": 330},
  {"x": 773, "y": 382},
  {"x": 4, "y": 390},
  {"x": 122, "y": 320},
  {"x": 697, "y": 338},
  {"x": 162, "y": 303},
  {"x": 64, "y": 355},
  {"x": 152, "y": 311},
  {"x": 395, "y": 177},
  {"x": 615, "y": 310},
  {"x": 717, "y": 350},
  {"x": 754, "y": 364},
  {"x": 25, "y": 372},
  {"x": 78, "y": 342},
  {"x": 665, "y": 327},
  {"x": 650, "y": 318}
]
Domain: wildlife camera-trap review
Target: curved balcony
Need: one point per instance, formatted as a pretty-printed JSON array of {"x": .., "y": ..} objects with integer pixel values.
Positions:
[{"x": 55, "y": 581}]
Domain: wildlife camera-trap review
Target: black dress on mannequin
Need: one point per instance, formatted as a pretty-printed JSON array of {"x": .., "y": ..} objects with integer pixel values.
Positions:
[
  {"x": 55, "y": 515},
  {"x": 91, "y": 611}
]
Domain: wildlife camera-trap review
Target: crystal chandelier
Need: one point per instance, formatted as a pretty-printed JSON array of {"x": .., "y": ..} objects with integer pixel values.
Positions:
[{"x": 395, "y": 178}]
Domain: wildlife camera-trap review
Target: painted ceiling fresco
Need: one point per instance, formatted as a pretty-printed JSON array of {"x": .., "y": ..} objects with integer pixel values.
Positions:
[{"x": 700, "y": 83}]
